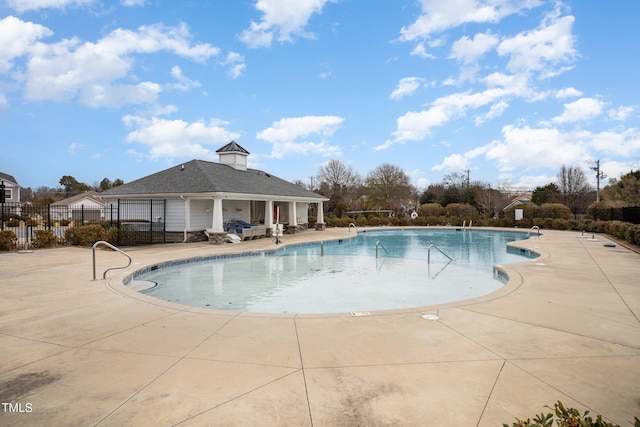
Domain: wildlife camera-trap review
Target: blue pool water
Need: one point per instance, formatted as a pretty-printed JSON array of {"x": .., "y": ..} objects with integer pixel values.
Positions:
[{"x": 344, "y": 276}]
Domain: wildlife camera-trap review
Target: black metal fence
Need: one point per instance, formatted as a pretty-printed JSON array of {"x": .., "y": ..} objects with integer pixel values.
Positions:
[
  {"x": 627, "y": 214},
  {"x": 129, "y": 222}
]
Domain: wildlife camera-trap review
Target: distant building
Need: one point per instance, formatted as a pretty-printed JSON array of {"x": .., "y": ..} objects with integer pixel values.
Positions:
[
  {"x": 82, "y": 207},
  {"x": 11, "y": 189},
  {"x": 517, "y": 201}
]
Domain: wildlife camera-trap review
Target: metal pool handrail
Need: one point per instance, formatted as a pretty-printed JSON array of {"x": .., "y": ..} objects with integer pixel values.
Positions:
[
  {"x": 380, "y": 244},
  {"x": 109, "y": 245},
  {"x": 535, "y": 227},
  {"x": 439, "y": 250},
  {"x": 354, "y": 226}
]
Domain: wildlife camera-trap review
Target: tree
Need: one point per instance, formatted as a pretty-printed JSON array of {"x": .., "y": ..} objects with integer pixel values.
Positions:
[
  {"x": 625, "y": 191},
  {"x": 432, "y": 194},
  {"x": 574, "y": 187},
  {"x": 549, "y": 193},
  {"x": 388, "y": 187},
  {"x": 489, "y": 201},
  {"x": 106, "y": 184},
  {"x": 72, "y": 186},
  {"x": 341, "y": 184}
]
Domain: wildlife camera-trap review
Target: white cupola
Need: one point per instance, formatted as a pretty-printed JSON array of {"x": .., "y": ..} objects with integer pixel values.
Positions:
[{"x": 233, "y": 155}]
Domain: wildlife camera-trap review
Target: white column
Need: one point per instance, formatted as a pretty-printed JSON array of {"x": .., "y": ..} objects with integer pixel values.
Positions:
[
  {"x": 320, "y": 219},
  {"x": 268, "y": 214},
  {"x": 293, "y": 217},
  {"x": 187, "y": 217},
  {"x": 217, "y": 223}
]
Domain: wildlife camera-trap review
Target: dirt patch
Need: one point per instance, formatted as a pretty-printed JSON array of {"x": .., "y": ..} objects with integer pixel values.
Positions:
[
  {"x": 358, "y": 406},
  {"x": 13, "y": 389}
]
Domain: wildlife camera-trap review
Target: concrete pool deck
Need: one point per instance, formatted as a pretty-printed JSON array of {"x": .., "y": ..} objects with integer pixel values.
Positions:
[{"x": 81, "y": 352}]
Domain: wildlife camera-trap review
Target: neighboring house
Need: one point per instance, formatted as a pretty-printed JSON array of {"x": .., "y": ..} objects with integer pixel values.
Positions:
[
  {"x": 81, "y": 207},
  {"x": 202, "y": 197},
  {"x": 516, "y": 201},
  {"x": 11, "y": 189}
]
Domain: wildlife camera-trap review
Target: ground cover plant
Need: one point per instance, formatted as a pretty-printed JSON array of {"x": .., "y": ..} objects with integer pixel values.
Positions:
[{"x": 565, "y": 417}]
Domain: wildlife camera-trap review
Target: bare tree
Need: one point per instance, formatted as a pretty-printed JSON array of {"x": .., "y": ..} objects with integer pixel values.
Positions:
[
  {"x": 489, "y": 201},
  {"x": 341, "y": 184},
  {"x": 337, "y": 175},
  {"x": 388, "y": 187},
  {"x": 574, "y": 187}
]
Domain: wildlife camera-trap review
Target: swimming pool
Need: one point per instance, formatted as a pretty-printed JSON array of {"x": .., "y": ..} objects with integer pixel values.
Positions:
[{"x": 377, "y": 270}]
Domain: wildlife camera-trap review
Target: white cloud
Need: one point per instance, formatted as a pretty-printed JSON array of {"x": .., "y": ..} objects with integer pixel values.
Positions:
[
  {"x": 178, "y": 138},
  {"x": 25, "y": 5},
  {"x": 441, "y": 15},
  {"x": 614, "y": 169},
  {"x": 133, "y": 3},
  {"x": 454, "y": 162},
  {"x": 236, "y": 64},
  {"x": 617, "y": 143},
  {"x": 184, "y": 83},
  {"x": 302, "y": 135},
  {"x": 569, "y": 92},
  {"x": 281, "y": 19},
  {"x": 406, "y": 87},
  {"x": 457, "y": 162},
  {"x": 421, "y": 51},
  {"x": 17, "y": 39},
  {"x": 468, "y": 50},
  {"x": 582, "y": 109},
  {"x": 622, "y": 113},
  {"x": 414, "y": 126},
  {"x": 542, "y": 49},
  {"x": 527, "y": 148},
  {"x": 96, "y": 72},
  {"x": 496, "y": 110},
  {"x": 74, "y": 146}
]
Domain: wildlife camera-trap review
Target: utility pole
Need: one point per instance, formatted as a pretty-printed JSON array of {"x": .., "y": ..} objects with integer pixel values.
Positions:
[
  {"x": 599, "y": 175},
  {"x": 468, "y": 171}
]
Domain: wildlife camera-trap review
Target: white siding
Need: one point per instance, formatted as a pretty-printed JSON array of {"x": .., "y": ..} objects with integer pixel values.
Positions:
[
  {"x": 236, "y": 209},
  {"x": 175, "y": 220},
  {"x": 201, "y": 214}
]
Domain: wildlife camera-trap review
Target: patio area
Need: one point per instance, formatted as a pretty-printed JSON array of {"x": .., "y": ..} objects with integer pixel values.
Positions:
[{"x": 81, "y": 352}]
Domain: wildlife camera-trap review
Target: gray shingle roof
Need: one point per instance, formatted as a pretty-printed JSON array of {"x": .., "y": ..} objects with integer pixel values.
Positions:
[
  {"x": 8, "y": 177},
  {"x": 199, "y": 176},
  {"x": 232, "y": 147}
]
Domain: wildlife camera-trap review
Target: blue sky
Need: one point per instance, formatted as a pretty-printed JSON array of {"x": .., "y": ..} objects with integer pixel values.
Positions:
[{"x": 510, "y": 90}]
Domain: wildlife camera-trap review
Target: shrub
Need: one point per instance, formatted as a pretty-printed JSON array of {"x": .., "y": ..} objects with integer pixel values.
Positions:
[
  {"x": 13, "y": 222},
  {"x": 600, "y": 210},
  {"x": 361, "y": 220},
  {"x": 420, "y": 221},
  {"x": 462, "y": 210},
  {"x": 44, "y": 239},
  {"x": 376, "y": 221},
  {"x": 430, "y": 209},
  {"x": 567, "y": 417},
  {"x": 553, "y": 210},
  {"x": 560, "y": 224},
  {"x": 8, "y": 240},
  {"x": 84, "y": 235}
]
